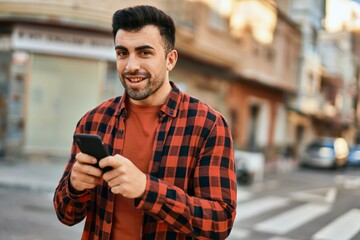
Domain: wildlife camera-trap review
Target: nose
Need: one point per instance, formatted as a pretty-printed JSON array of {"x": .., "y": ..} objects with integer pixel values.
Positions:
[{"x": 132, "y": 64}]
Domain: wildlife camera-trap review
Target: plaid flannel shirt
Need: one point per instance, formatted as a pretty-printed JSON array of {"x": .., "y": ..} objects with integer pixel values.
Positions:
[{"x": 191, "y": 188}]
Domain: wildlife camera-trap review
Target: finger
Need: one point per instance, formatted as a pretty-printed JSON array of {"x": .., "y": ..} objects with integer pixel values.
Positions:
[
  {"x": 86, "y": 185},
  {"x": 106, "y": 162},
  {"x": 88, "y": 179},
  {"x": 87, "y": 169},
  {"x": 81, "y": 181},
  {"x": 80, "y": 176},
  {"x": 85, "y": 158},
  {"x": 115, "y": 173},
  {"x": 114, "y": 182},
  {"x": 118, "y": 190},
  {"x": 111, "y": 161}
]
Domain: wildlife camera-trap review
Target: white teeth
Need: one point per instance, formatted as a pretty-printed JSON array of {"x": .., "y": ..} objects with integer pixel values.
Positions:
[{"x": 135, "y": 80}]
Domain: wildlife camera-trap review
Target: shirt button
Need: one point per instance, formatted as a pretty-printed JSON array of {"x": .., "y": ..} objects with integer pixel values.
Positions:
[
  {"x": 108, "y": 220},
  {"x": 121, "y": 131}
]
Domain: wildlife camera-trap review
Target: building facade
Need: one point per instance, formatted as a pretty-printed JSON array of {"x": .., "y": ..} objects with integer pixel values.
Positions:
[
  {"x": 323, "y": 105},
  {"x": 57, "y": 61}
]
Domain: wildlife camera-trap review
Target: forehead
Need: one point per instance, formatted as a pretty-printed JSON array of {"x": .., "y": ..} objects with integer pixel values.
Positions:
[{"x": 148, "y": 35}]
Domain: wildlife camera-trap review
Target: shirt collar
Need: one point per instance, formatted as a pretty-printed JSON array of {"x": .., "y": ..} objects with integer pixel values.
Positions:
[{"x": 170, "y": 107}]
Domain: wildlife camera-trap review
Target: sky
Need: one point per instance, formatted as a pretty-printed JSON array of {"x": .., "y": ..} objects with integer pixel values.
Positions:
[{"x": 341, "y": 13}]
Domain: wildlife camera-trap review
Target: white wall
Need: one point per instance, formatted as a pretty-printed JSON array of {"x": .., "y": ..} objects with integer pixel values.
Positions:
[{"x": 60, "y": 91}]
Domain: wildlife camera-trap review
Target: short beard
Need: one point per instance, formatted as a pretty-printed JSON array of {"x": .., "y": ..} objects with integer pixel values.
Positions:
[
  {"x": 138, "y": 95},
  {"x": 151, "y": 87}
]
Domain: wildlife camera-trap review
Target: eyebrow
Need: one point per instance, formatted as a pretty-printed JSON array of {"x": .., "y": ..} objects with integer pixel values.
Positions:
[
  {"x": 136, "y": 49},
  {"x": 120, "y": 47}
]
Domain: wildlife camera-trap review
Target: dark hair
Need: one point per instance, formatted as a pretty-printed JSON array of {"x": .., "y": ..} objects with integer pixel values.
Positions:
[{"x": 135, "y": 18}]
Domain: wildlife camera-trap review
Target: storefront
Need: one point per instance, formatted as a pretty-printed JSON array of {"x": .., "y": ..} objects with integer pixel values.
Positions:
[{"x": 55, "y": 76}]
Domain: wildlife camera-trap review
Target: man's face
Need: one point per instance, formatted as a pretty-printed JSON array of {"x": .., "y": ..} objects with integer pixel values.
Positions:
[{"x": 142, "y": 63}]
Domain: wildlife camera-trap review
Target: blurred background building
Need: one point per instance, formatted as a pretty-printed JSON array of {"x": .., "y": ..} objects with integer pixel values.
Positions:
[{"x": 281, "y": 72}]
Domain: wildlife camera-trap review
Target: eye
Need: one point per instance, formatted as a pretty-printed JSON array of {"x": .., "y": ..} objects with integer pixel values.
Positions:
[
  {"x": 121, "y": 54},
  {"x": 145, "y": 53}
]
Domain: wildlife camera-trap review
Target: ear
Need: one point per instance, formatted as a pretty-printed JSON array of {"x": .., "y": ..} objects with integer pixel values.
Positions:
[{"x": 171, "y": 60}]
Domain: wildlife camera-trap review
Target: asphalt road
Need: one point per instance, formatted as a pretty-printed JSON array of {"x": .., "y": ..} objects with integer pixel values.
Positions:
[
  {"x": 306, "y": 204},
  {"x": 29, "y": 215}
]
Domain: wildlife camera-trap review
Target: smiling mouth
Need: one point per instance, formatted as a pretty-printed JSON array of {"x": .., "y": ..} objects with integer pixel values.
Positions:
[{"x": 135, "y": 79}]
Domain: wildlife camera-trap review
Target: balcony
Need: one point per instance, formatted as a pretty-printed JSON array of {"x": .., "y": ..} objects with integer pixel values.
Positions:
[{"x": 262, "y": 46}]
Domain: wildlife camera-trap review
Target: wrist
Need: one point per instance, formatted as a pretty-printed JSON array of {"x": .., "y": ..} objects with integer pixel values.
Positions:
[
  {"x": 143, "y": 186},
  {"x": 73, "y": 190}
]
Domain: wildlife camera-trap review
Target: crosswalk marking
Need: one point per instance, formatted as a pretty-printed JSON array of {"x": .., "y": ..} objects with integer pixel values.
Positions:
[
  {"x": 325, "y": 195},
  {"x": 261, "y": 186},
  {"x": 280, "y": 238},
  {"x": 237, "y": 233},
  {"x": 343, "y": 228},
  {"x": 243, "y": 195},
  {"x": 262, "y": 205},
  {"x": 348, "y": 182},
  {"x": 292, "y": 219}
]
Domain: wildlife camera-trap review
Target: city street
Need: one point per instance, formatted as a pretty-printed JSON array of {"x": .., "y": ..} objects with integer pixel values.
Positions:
[
  {"x": 275, "y": 81},
  {"x": 307, "y": 204},
  {"x": 29, "y": 215}
]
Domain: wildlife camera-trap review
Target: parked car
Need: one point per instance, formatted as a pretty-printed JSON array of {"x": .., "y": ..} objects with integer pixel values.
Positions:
[
  {"x": 353, "y": 158},
  {"x": 325, "y": 153}
]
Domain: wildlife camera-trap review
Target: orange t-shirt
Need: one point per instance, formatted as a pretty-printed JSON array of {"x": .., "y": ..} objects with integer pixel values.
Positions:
[{"x": 140, "y": 125}]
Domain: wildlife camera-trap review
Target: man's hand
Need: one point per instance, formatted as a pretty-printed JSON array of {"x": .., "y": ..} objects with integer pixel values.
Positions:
[
  {"x": 125, "y": 178},
  {"x": 84, "y": 176}
]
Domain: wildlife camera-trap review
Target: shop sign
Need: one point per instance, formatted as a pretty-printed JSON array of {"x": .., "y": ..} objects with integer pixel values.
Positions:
[{"x": 63, "y": 42}]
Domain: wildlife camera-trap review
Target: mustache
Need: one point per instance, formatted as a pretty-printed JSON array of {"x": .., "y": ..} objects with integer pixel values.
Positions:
[{"x": 136, "y": 73}]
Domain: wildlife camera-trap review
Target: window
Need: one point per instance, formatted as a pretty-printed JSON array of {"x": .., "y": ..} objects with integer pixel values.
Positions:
[{"x": 253, "y": 122}]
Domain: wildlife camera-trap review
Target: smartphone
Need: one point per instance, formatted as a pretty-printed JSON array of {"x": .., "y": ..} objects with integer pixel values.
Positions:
[{"x": 92, "y": 145}]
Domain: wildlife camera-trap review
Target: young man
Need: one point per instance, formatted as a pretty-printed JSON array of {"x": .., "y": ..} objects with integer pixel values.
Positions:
[{"x": 172, "y": 158}]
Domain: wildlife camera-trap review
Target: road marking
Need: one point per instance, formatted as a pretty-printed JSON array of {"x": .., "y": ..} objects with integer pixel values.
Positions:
[
  {"x": 342, "y": 228},
  {"x": 243, "y": 195},
  {"x": 237, "y": 233},
  {"x": 325, "y": 195},
  {"x": 261, "y": 205},
  {"x": 292, "y": 219},
  {"x": 348, "y": 182},
  {"x": 265, "y": 185},
  {"x": 280, "y": 238}
]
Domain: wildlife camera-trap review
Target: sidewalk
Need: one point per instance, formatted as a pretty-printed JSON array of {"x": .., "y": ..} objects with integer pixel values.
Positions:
[
  {"x": 35, "y": 175},
  {"x": 43, "y": 174}
]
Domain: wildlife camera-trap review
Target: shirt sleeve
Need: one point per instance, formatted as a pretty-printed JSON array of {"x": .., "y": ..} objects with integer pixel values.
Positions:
[
  {"x": 70, "y": 206},
  {"x": 210, "y": 212}
]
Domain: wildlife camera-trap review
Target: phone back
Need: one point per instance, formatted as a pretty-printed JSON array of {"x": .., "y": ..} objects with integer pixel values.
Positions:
[{"x": 92, "y": 145}]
